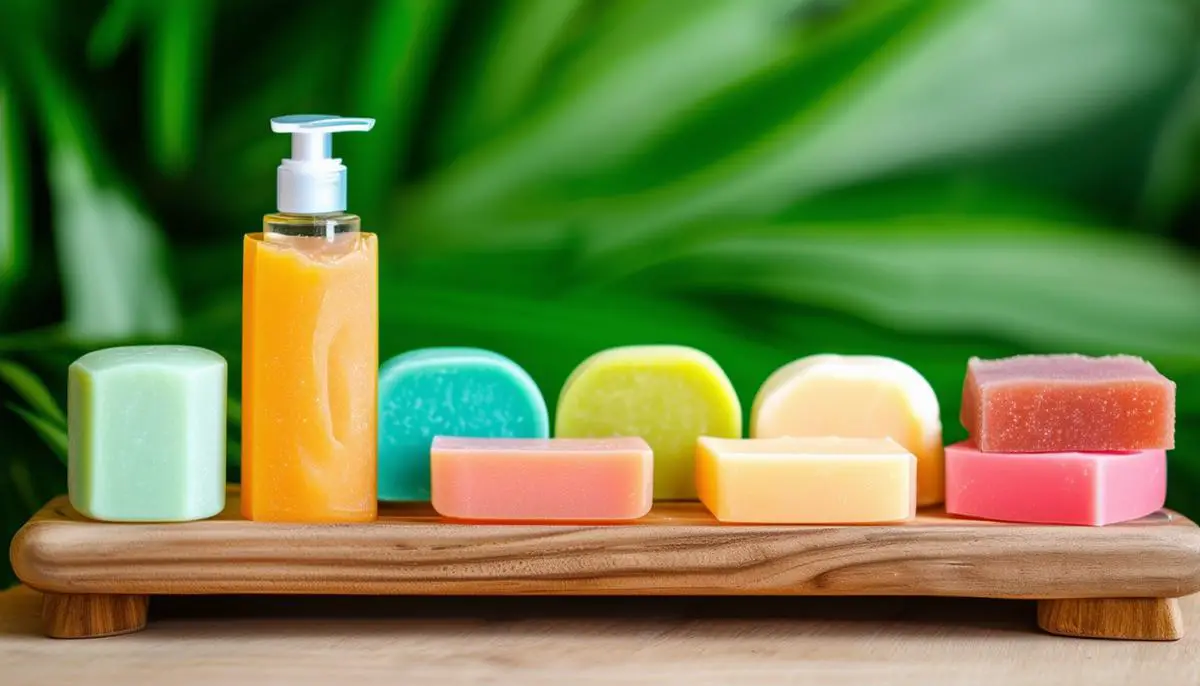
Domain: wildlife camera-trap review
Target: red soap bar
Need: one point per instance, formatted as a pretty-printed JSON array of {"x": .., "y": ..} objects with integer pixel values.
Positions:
[{"x": 1055, "y": 403}]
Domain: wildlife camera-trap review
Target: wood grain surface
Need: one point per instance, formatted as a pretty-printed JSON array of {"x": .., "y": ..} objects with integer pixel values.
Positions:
[
  {"x": 93, "y": 616},
  {"x": 1143, "y": 619},
  {"x": 534, "y": 641},
  {"x": 679, "y": 549}
]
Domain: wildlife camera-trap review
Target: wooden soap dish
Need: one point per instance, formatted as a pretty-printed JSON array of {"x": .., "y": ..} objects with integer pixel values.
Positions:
[{"x": 1118, "y": 581}]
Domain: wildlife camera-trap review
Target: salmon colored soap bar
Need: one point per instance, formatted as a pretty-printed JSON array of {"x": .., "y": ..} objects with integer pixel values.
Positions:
[
  {"x": 464, "y": 392},
  {"x": 1055, "y": 488},
  {"x": 669, "y": 395},
  {"x": 557, "y": 479},
  {"x": 806, "y": 480},
  {"x": 856, "y": 396},
  {"x": 1051, "y": 403}
]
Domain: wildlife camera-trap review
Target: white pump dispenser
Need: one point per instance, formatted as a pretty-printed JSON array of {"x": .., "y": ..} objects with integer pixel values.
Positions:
[{"x": 312, "y": 181}]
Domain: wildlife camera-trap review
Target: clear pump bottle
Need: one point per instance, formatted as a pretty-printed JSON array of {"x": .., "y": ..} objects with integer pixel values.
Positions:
[{"x": 310, "y": 342}]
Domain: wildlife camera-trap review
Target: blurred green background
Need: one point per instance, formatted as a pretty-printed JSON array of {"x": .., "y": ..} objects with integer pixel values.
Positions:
[{"x": 762, "y": 179}]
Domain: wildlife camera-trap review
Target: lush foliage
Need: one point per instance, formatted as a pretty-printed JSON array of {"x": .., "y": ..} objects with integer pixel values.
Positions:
[{"x": 926, "y": 179}]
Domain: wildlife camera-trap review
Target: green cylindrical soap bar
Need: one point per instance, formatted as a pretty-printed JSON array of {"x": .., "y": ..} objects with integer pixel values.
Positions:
[
  {"x": 147, "y": 433},
  {"x": 669, "y": 395}
]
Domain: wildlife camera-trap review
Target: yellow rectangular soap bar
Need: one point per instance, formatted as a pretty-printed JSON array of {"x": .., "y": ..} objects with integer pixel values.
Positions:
[{"x": 806, "y": 480}]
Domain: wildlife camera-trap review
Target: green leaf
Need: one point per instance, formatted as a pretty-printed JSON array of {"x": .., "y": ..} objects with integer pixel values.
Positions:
[
  {"x": 241, "y": 154},
  {"x": 504, "y": 73},
  {"x": 54, "y": 435},
  {"x": 647, "y": 64},
  {"x": 928, "y": 91},
  {"x": 939, "y": 92},
  {"x": 233, "y": 461},
  {"x": 14, "y": 197},
  {"x": 113, "y": 259},
  {"x": 233, "y": 409},
  {"x": 175, "y": 75},
  {"x": 29, "y": 477},
  {"x": 1039, "y": 284},
  {"x": 113, "y": 31},
  {"x": 386, "y": 82},
  {"x": 1174, "y": 176},
  {"x": 31, "y": 389},
  {"x": 23, "y": 485},
  {"x": 51, "y": 338}
]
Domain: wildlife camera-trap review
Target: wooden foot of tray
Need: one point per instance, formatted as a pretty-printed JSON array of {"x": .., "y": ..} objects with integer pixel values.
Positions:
[
  {"x": 1117, "y": 581},
  {"x": 93, "y": 615},
  {"x": 1138, "y": 619}
]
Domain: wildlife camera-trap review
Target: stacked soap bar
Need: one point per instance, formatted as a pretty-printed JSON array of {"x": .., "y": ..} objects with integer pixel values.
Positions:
[
  {"x": 1040, "y": 403},
  {"x": 1062, "y": 439}
]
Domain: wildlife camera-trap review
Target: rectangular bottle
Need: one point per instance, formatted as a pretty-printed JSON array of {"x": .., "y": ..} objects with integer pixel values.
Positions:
[{"x": 310, "y": 349}]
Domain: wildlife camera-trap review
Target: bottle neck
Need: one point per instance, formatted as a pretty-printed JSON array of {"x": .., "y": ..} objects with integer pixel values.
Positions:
[{"x": 330, "y": 226}]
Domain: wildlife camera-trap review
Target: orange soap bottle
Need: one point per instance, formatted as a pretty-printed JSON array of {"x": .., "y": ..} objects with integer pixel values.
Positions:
[{"x": 310, "y": 342}]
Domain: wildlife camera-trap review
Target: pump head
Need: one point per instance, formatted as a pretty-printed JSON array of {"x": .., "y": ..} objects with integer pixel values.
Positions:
[{"x": 312, "y": 181}]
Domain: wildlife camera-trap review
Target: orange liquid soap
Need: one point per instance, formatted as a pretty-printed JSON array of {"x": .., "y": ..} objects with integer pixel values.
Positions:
[{"x": 310, "y": 344}]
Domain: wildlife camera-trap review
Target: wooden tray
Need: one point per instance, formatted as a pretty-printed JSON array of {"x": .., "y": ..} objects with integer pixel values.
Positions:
[{"x": 1118, "y": 581}]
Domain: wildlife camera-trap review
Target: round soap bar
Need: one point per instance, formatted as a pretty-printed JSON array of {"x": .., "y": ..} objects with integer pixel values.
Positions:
[
  {"x": 667, "y": 395},
  {"x": 856, "y": 396},
  {"x": 461, "y": 392}
]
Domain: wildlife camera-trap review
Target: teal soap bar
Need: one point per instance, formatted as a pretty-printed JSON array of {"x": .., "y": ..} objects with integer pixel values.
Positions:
[
  {"x": 147, "y": 433},
  {"x": 462, "y": 392}
]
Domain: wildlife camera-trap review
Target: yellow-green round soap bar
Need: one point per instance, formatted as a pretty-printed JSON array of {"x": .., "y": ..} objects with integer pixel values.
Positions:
[{"x": 669, "y": 395}]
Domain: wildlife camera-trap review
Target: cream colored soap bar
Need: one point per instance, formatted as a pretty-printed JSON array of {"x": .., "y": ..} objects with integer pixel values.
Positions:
[
  {"x": 806, "y": 480},
  {"x": 666, "y": 394},
  {"x": 856, "y": 396}
]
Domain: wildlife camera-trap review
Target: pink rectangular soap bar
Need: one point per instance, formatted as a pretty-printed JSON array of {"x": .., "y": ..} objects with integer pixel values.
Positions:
[
  {"x": 547, "y": 479},
  {"x": 1047, "y": 403},
  {"x": 1055, "y": 488}
]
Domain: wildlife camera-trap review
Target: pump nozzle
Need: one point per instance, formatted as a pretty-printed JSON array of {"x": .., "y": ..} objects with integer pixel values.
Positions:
[{"x": 312, "y": 181}]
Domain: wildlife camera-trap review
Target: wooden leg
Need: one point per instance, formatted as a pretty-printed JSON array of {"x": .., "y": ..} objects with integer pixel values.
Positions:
[
  {"x": 92, "y": 616},
  {"x": 1137, "y": 619}
]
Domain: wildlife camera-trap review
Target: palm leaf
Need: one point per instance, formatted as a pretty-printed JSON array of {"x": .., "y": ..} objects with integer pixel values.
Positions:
[
  {"x": 397, "y": 57},
  {"x": 1174, "y": 177},
  {"x": 503, "y": 73},
  {"x": 114, "y": 30},
  {"x": 53, "y": 434},
  {"x": 176, "y": 52},
  {"x": 112, "y": 257},
  {"x": 31, "y": 389},
  {"x": 646, "y": 64},
  {"x": 1037, "y": 283},
  {"x": 14, "y": 197}
]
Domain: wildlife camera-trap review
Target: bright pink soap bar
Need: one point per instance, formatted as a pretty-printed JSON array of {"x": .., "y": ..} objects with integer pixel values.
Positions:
[
  {"x": 548, "y": 479},
  {"x": 1046, "y": 403},
  {"x": 1055, "y": 488}
]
